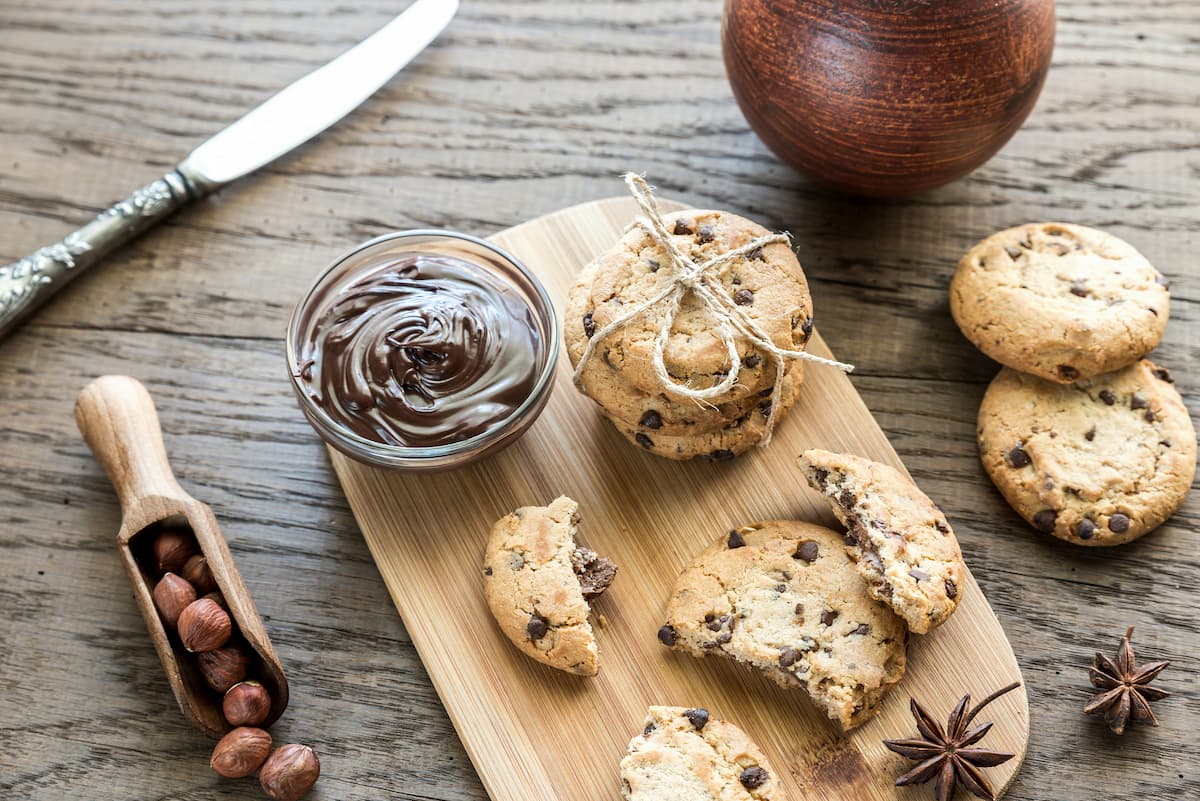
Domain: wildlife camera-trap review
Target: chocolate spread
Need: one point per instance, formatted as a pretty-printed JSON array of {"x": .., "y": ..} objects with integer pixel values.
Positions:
[{"x": 420, "y": 351}]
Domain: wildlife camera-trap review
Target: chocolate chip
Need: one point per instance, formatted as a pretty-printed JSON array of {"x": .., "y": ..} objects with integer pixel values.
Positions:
[
  {"x": 1118, "y": 523},
  {"x": 1018, "y": 457},
  {"x": 951, "y": 589},
  {"x": 1163, "y": 374},
  {"x": 1149, "y": 415},
  {"x": 1107, "y": 396},
  {"x": 653, "y": 265},
  {"x": 537, "y": 627},
  {"x": 667, "y": 635},
  {"x": 713, "y": 625},
  {"x": 643, "y": 440},
  {"x": 682, "y": 227},
  {"x": 789, "y": 657},
  {"x": 736, "y": 540},
  {"x": 828, "y": 616},
  {"x": 755, "y": 255},
  {"x": 752, "y": 360},
  {"x": 589, "y": 325},
  {"x": 724, "y": 638},
  {"x": 863, "y": 628},
  {"x": 710, "y": 617},
  {"x": 1045, "y": 520},
  {"x": 919, "y": 574},
  {"x": 807, "y": 326},
  {"x": 650, "y": 727},
  {"x": 1090, "y": 434},
  {"x": 941, "y": 526},
  {"x": 743, "y": 297},
  {"x": 1067, "y": 373},
  {"x": 705, "y": 235},
  {"x": 800, "y": 610},
  {"x": 1086, "y": 529},
  {"x": 753, "y": 778},
  {"x": 1013, "y": 252},
  {"x": 781, "y": 588},
  {"x": 1138, "y": 402},
  {"x": 697, "y": 717},
  {"x": 1079, "y": 289},
  {"x": 650, "y": 419},
  {"x": 487, "y": 571},
  {"x": 720, "y": 455},
  {"x": 808, "y": 551}
]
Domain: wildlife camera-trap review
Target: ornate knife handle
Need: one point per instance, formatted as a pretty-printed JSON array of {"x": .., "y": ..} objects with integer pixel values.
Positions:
[{"x": 27, "y": 283}]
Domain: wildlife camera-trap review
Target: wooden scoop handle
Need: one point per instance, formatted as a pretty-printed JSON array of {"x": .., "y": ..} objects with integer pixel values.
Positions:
[{"x": 118, "y": 421}]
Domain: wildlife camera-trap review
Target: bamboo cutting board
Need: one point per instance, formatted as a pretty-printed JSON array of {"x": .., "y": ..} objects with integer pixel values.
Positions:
[{"x": 535, "y": 734}]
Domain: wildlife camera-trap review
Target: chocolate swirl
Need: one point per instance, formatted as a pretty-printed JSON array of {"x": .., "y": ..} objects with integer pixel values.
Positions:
[{"x": 421, "y": 351}]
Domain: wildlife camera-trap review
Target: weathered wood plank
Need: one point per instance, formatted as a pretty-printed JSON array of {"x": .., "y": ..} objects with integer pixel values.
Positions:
[{"x": 522, "y": 108}]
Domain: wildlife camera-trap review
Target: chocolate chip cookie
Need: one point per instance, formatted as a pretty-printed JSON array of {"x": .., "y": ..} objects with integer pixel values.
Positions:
[
  {"x": 687, "y": 755},
  {"x": 769, "y": 286},
  {"x": 538, "y": 582},
  {"x": 901, "y": 542},
  {"x": 784, "y": 597},
  {"x": 1098, "y": 462},
  {"x": 1059, "y": 301},
  {"x": 733, "y": 439}
]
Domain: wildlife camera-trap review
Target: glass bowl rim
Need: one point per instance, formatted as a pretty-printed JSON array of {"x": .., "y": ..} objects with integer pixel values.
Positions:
[{"x": 431, "y": 452}]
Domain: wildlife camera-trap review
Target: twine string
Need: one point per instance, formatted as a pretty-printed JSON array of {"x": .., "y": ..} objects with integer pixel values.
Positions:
[{"x": 688, "y": 277}]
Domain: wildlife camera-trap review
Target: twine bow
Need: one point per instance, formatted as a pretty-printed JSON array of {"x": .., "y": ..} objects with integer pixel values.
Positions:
[{"x": 687, "y": 276}]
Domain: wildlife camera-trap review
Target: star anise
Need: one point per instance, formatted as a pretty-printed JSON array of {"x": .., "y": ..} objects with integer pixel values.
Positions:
[
  {"x": 1126, "y": 694},
  {"x": 946, "y": 754}
]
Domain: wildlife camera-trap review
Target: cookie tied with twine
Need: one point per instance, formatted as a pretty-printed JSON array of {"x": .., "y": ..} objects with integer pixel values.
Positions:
[{"x": 687, "y": 277}]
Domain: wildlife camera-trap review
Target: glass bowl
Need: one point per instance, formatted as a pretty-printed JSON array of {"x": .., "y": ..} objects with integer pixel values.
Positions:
[{"x": 371, "y": 256}]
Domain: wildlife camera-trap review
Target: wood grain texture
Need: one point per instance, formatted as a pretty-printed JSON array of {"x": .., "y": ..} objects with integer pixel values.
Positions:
[
  {"x": 521, "y": 108},
  {"x": 535, "y": 733}
]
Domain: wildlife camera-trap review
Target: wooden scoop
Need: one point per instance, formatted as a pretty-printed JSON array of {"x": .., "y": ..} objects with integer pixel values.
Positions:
[{"x": 117, "y": 419}]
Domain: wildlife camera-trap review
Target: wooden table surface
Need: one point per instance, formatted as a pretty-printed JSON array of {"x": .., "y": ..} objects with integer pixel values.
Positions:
[{"x": 519, "y": 109}]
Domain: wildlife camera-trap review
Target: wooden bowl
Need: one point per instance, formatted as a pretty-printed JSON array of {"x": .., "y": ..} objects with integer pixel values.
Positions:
[{"x": 886, "y": 97}]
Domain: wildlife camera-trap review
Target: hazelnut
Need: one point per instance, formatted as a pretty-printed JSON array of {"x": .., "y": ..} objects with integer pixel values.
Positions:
[
  {"x": 224, "y": 667},
  {"x": 204, "y": 626},
  {"x": 197, "y": 571},
  {"x": 246, "y": 704},
  {"x": 218, "y": 599},
  {"x": 240, "y": 752},
  {"x": 290, "y": 772},
  {"x": 171, "y": 595},
  {"x": 172, "y": 548}
]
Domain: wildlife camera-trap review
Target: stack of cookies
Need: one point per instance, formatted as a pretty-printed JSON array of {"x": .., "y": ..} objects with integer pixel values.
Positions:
[
  {"x": 1085, "y": 438},
  {"x": 767, "y": 285}
]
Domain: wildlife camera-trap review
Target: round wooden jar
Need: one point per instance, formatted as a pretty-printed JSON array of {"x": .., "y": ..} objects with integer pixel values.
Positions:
[{"x": 886, "y": 97}]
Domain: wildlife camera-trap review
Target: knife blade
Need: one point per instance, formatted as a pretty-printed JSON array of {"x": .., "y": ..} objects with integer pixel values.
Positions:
[{"x": 288, "y": 119}]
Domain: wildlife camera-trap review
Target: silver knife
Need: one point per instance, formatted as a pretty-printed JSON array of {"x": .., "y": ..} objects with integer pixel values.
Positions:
[{"x": 290, "y": 118}]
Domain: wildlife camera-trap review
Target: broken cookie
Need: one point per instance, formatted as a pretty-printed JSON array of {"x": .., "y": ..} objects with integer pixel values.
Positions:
[
  {"x": 899, "y": 539},
  {"x": 685, "y": 753},
  {"x": 784, "y": 597},
  {"x": 538, "y": 583}
]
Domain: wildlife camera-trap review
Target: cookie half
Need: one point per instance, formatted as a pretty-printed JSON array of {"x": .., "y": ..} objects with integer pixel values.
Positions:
[
  {"x": 686, "y": 755},
  {"x": 538, "y": 582},
  {"x": 1059, "y": 301},
  {"x": 901, "y": 542},
  {"x": 784, "y": 597},
  {"x": 1098, "y": 462}
]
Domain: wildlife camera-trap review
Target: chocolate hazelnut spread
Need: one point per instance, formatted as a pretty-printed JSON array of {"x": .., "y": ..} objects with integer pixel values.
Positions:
[{"x": 422, "y": 350}]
